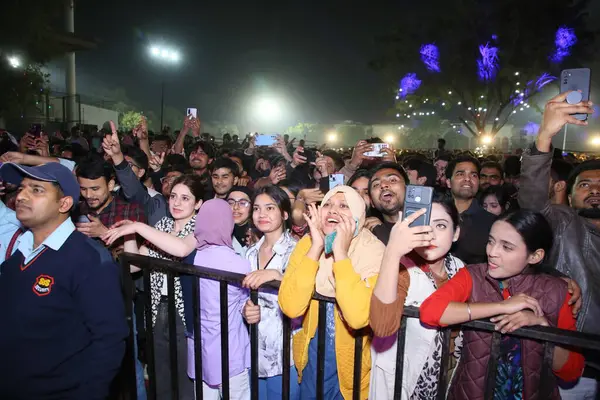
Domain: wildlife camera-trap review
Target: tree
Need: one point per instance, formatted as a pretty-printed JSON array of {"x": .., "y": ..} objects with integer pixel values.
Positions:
[
  {"x": 129, "y": 120},
  {"x": 480, "y": 62},
  {"x": 28, "y": 35}
]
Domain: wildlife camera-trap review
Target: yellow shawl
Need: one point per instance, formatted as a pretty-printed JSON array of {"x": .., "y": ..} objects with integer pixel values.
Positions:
[{"x": 365, "y": 253}]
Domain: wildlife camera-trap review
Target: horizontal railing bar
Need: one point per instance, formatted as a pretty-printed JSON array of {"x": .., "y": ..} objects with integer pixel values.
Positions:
[{"x": 542, "y": 333}]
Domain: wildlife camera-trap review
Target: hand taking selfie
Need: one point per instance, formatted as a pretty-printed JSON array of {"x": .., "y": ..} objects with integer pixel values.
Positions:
[{"x": 557, "y": 114}]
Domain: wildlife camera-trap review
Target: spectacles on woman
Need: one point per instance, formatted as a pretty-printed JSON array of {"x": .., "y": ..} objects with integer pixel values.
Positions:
[{"x": 243, "y": 203}]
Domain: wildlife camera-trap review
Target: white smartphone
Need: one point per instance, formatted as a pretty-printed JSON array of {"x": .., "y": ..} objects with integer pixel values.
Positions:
[
  {"x": 265, "y": 140},
  {"x": 335, "y": 180},
  {"x": 377, "y": 150},
  {"x": 192, "y": 112}
]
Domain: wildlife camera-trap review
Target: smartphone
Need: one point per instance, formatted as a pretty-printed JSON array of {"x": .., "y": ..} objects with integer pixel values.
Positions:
[
  {"x": 310, "y": 155},
  {"x": 335, "y": 180},
  {"x": 577, "y": 79},
  {"x": 83, "y": 219},
  {"x": 377, "y": 150},
  {"x": 192, "y": 112},
  {"x": 36, "y": 130},
  {"x": 265, "y": 140},
  {"x": 416, "y": 198}
]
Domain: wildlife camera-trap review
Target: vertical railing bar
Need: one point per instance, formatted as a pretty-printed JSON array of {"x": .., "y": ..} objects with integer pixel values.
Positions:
[
  {"x": 129, "y": 366},
  {"x": 224, "y": 340},
  {"x": 356, "y": 382},
  {"x": 444, "y": 362},
  {"x": 197, "y": 336},
  {"x": 172, "y": 335},
  {"x": 254, "y": 352},
  {"x": 287, "y": 338},
  {"x": 490, "y": 377},
  {"x": 546, "y": 374},
  {"x": 149, "y": 333},
  {"x": 400, "y": 359},
  {"x": 321, "y": 350}
]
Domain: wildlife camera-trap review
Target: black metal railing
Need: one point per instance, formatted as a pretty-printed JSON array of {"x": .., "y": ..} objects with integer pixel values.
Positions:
[{"x": 126, "y": 381}]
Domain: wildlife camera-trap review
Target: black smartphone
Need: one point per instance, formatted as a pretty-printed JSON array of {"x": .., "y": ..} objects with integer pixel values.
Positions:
[
  {"x": 579, "y": 80},
  {"x": 310, "y": 155},
  {"x": 416, "y": 198},
  {"x": 36, "y": 130}
]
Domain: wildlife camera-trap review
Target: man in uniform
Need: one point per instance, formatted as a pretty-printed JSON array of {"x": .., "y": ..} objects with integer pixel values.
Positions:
[{"x": 61, "y": 308}]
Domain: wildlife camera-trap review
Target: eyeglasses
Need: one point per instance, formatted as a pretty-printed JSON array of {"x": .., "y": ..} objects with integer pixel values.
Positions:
[{"x": 243, "y": 203}]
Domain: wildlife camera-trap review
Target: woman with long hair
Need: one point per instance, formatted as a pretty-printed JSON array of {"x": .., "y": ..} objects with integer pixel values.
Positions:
[
  {"x": 428, "y": 247},
  {"x": 510, "y": 290},
  {"x": 339, "y": 259},
  {"x": 184, "y": 201},
  {"x": 268, "y": 260}
]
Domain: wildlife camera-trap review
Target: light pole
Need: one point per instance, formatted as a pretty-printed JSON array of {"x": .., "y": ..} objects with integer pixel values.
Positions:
[{"x": 166, "y": 55}]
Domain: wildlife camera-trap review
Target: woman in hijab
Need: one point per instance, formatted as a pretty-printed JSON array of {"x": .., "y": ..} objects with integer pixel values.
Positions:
[
  {"x": 214, "y": 249},
  {"x": 339, "y": 259},
  {"x": 239, "y": 199}
]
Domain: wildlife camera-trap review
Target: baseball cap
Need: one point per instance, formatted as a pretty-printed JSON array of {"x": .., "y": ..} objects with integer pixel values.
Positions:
[{"x": 50, "y": 172}]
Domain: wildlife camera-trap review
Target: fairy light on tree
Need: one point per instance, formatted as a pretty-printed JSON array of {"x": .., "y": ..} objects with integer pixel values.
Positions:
[{"x": 481, "y": 83}]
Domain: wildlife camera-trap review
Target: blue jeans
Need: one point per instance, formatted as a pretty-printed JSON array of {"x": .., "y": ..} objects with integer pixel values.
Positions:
[
  {"x": 270, "y": 388},
  {"x": 139, "y": 369}
]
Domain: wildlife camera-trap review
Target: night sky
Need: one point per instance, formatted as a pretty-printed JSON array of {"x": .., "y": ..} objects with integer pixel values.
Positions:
[{"x": 312, "y": 56}]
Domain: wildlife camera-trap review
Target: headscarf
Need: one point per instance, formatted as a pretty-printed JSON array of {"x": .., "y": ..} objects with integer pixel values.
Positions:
[
  {"x": 214, "y": 225},
  {"x": 241, "y": 231},
  {"x": 365, "y": 252}
]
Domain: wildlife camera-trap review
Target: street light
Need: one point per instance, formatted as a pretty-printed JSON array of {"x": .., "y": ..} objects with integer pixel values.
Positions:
[
  {"x": 14, "y": 61},
  {"x": 595, "y": 141},
  {"x": 487, "y": 139},
  {"x": 268, "y": 109},
  {"x": 166, "y": 55}
]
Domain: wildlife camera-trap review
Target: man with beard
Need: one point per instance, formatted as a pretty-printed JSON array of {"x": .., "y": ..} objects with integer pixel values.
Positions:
[
  {"x": 101, "y": 208},
  {"x": 576, "y": 250},
  {"x": 387, "y": 185},
  {"x": 491, "y": 175},
  {"x": 462, "y": 177}
]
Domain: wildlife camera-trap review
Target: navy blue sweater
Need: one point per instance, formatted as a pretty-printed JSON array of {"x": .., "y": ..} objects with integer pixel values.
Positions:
[{"x": 62, "y": 323}]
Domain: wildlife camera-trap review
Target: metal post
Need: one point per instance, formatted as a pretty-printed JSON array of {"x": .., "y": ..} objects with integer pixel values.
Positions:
[
  {"x": 70, "y": 78},
  {"x": 162, "y": 104},
  {"x": 564, "y": 146}
]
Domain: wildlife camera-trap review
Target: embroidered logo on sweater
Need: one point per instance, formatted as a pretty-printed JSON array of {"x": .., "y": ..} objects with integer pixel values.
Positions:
[{"x": 43, "y": 285}]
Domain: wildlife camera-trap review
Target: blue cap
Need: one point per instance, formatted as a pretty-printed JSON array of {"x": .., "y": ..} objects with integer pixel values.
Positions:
[{"x": 50, "y": 172}]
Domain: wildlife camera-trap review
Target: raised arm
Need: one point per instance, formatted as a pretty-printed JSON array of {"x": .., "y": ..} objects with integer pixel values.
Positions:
[
  {"x": 166, "y": 242},
  {"x": 535, "y": 170}
]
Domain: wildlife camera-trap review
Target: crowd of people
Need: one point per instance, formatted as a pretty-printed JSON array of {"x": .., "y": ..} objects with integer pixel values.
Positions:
[{"x": 512, "y": 238}]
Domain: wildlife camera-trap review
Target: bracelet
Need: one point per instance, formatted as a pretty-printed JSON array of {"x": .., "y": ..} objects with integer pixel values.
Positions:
[{"x": 469, "y": 310}]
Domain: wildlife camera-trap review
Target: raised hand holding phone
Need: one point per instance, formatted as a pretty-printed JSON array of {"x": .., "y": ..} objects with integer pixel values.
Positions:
[{"x": 404, "y": 237}]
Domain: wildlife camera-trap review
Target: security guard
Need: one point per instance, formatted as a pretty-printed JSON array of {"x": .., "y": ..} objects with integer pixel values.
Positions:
[{"x": 62, "y": 316}]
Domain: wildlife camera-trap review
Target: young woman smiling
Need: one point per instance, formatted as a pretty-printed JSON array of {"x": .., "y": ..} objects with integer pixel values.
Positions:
[
  {"x": 345, "y": 270},
  {"x": 268, "y": 260},
  {"x": 239, "y": 199},
  {"x": 511, "y": 291},
  {"x": 184, "y": 201}
]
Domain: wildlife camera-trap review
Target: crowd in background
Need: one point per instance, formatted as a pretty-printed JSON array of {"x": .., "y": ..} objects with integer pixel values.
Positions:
[{"x": 514, "y": 238}]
